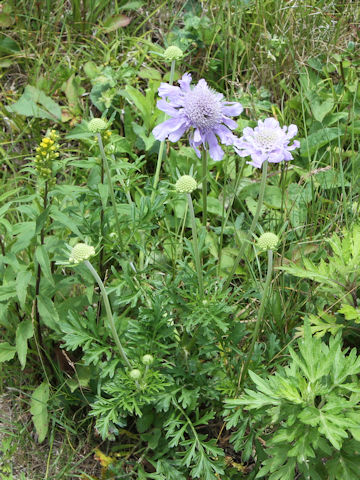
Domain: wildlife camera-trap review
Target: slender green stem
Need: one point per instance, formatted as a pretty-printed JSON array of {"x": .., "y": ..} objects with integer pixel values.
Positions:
[
  {"x": 112, "y": 195},
  {"x": 204, "y": 185},
  {"x": 252, "y": 226},
  {"x": 108, "y": 312},
  {"x": 195, "y": 246},
  {"x": 162, "y": 143},
  {"x": 259, "y": 318}
]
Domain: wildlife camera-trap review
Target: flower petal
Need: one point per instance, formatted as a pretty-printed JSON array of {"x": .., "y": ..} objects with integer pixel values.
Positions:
[
  {"x": 271, "y": 123},
  {"x": 166, "y": 107},
  {"x": 215, "y": 151},
  {"x": 232, "y": 109},
  {"x": 164, "y": 129},
  {"x": 177, "y": 134},
  {"x": 225, "y": 135},
  {"x": 185, "y": 82},
  {"x": 166, "y": 90},
  {"x": 229, "y": 122}
]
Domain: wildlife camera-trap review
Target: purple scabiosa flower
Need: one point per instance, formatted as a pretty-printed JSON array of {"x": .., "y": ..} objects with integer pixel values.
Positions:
[
  {"x": 201, "y": 110},
  {"x": 267, "y": 141}
]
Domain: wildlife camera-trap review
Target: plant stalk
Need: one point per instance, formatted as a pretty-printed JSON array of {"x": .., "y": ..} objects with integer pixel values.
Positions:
[
  {"x": 195, "y": 246},
  {"x": 204, "y": 185},
  {"x": 108, "y": 312},
  {"x": 112, "y": 195}
]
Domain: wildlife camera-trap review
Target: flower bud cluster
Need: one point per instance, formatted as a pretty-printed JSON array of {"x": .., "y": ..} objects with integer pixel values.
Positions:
[
  {"x": 268, "y": 241},
  {"x": 173, "y": 53},
  {"x": 46, "y": 153},
  {"x": 81, "y": 252},
  {"x": 185, "y": 184}
]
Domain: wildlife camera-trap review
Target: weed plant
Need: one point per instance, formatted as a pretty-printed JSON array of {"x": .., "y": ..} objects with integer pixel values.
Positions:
[{"x": 178, "y": 268}]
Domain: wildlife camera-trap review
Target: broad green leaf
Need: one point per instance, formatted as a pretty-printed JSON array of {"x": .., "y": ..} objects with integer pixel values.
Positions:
[
  {"x": 7, "y": 352},
  {"x": 65, "y": 220},
  {"x": 34, "y": 103},
  {"x": 24, "y": 331},
  {"x": 48, "y": 312},
  {"x": 25, "y": 233},
  {"x": 23, "y": 279},
  {"x": 215, "y": 206},
  {"x": 8, "y": 45},
  {"x": 273, "y": 197},
  {"x": 73, "y": 91},
  {"x": 318, "y": 139},
  {"x": 104, "y": 193},
  {"x": 320, "y": 109},
  {"x": 39, "y": 411},
  {"x": 8, "y": 291},
  {"x": 114, "y": 22},
  {"x": 42, "y": 257}
]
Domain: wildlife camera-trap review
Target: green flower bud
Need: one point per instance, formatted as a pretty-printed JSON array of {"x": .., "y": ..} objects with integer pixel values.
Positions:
[
  {"x": 268, "y": 241},
  {"x": 81, "y": 252},
  {"x": 185, "y": 184},
  {"x": 173, "y": 53},
  {"x": 135, "y": 374},
  {"x": 97, "y": 125},
  {"x": 147, "y": 359}
]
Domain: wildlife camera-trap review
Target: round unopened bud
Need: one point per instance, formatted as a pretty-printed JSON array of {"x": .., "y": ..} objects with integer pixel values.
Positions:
[
  {"x": 186, "y": 184},
  {"x": 147, "y": 359},
  {"x": 97, "y": 125},
  {"x": 81, "y": 252},
  {"x": 135, "y": 374},
  {"x": 268, "y": 241},
  {"x": 173, "y": 53}
]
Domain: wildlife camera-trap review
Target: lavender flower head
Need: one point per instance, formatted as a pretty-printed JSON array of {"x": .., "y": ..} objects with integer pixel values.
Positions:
[
  {"x": 267, "y": 141},
  {"x": 201, "y": 110}
]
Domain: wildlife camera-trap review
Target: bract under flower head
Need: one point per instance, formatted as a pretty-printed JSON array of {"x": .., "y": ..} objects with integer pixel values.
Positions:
[
  {"x": 201, "y": 110},
  {"x": 267, "y": 141}
]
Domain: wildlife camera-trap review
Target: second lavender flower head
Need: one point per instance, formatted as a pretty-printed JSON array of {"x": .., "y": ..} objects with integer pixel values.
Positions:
[
  {"x": 268, "y": 141},
  {"x": 199, "y": 110}
]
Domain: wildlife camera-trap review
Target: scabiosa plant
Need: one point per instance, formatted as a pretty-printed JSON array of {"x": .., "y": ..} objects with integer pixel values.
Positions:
[
  {"x": 268, "y": 141},
  {"x": 205, "y": 114},
  {"x": 201, "y": 110}
]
